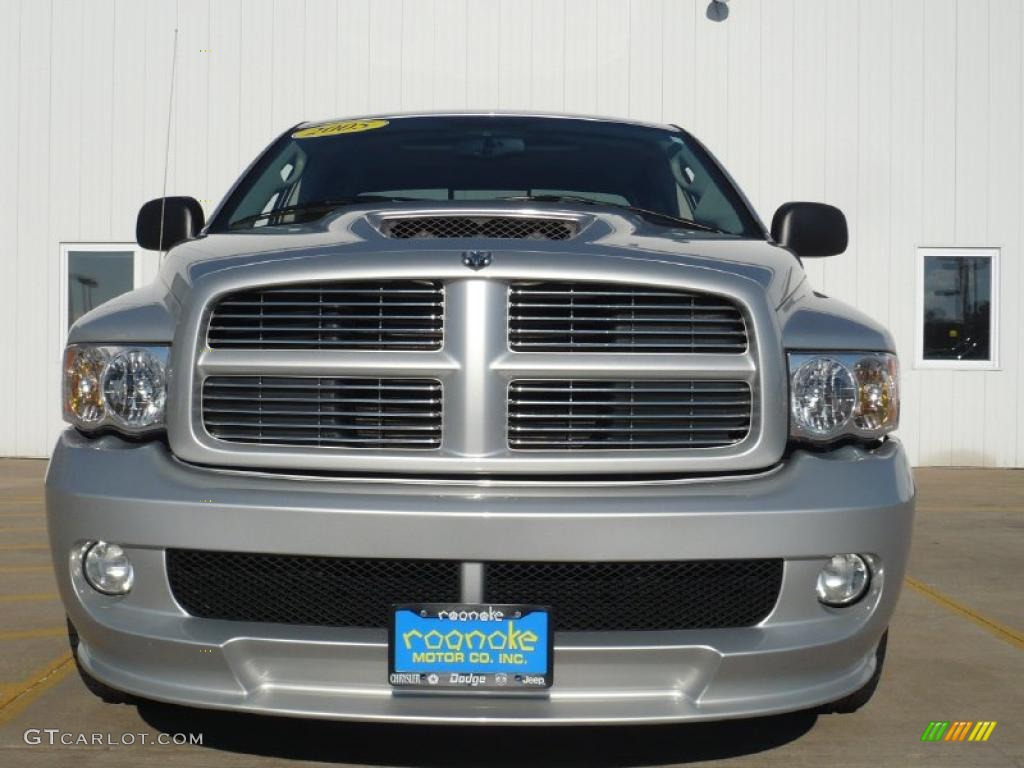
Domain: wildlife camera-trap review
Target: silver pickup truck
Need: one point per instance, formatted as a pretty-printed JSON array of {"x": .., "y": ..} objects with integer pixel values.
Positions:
[{"x": 482, "y": 418}]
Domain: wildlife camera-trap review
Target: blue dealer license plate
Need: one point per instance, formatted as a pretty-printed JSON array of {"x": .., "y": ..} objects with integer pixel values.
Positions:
[{"x": 491, "y": 647}]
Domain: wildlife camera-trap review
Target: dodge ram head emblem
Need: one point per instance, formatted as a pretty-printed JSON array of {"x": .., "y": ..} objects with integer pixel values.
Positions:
[{"x": 476, "y": 259}]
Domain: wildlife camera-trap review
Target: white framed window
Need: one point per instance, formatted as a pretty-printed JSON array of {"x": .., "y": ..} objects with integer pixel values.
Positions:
[
  {"x": 957, "y": 308},
  {"x": 93, "y": 273}
]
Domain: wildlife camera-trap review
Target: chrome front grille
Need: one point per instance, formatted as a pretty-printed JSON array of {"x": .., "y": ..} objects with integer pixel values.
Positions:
[
  {"x": 627, "y": 415},
  {"x": 398, "y": 414},
  {"x": 500, "y": 227},
  {"x": 363, "y": 315},
  {"x": 701, "y": 395},
  {"x": 605, "y": 317}
]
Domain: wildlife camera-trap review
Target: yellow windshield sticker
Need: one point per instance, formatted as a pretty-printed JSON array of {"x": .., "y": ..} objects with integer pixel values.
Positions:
[{"x": 337, "y": 128}]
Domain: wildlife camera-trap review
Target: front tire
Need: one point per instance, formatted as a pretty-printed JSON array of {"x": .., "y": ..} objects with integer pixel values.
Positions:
[
  {"x": 100, "y": 690},
  {"x": 854, "y": 701}
]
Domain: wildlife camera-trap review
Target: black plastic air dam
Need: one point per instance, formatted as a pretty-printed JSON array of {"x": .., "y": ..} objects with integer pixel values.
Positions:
[{"x": 583, "y": 596}]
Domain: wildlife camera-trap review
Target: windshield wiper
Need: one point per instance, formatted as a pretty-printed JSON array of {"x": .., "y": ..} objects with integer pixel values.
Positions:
[
  {"x": 318, "y": 206},
  {"x": 646, "y": 212}
]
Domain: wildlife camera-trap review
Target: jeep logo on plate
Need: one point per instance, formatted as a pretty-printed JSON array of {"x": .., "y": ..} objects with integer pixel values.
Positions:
[{"x": 476, "y": 259}]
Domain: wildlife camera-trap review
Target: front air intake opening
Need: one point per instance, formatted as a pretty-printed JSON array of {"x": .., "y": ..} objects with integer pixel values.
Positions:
[{"x": 492, "y": 227}]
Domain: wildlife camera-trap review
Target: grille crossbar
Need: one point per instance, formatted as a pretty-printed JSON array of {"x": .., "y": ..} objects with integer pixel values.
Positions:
[
  {"x": 325, "y": 412},
  {"x": 599, "y": 317},
  {"x": 618, "y": 415},
  {"x": 388, "y": 315}
]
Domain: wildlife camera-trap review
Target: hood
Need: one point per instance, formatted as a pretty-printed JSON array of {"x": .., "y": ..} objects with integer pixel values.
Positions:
[
  {"x": 601, "y": 232},
  {"x": 602, "y": 235}
]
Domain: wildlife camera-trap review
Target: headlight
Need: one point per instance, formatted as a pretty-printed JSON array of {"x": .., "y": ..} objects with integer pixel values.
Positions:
[
  {"x": 118, "y": 386},
  {"x": 843, "y": 394}
]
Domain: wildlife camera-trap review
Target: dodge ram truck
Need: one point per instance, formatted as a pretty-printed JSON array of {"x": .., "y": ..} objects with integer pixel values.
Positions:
[{"x": 482, "y": 418}]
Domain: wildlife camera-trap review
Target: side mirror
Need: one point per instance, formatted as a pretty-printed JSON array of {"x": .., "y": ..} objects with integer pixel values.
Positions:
[
  {"x": 810, "y": 229},
  {"x": 167, "y": 221}
]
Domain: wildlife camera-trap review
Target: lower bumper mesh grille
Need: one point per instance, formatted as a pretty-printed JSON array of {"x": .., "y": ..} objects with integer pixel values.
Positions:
[
  {"x": 294, "y": 589},
  {"x": 343, "y": 592},
  {"x": 694, "y": 594}
]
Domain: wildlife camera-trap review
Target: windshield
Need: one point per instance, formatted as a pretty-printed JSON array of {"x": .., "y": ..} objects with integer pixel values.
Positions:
[{"x": 484, "y": 158}]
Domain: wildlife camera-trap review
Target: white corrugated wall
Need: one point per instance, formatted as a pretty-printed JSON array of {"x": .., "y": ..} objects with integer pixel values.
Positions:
[{"x": 906, "y": 113}]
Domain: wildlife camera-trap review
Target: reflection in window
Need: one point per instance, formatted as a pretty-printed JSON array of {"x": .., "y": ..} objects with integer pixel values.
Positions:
[
  {"x": 957, "y": 308},
  {"x": 95, "y": 277}
]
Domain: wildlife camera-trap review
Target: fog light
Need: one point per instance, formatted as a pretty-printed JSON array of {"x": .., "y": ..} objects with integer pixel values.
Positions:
[
  {"x": 843, "y": 580},
  {"x": 108, "y": 569}
]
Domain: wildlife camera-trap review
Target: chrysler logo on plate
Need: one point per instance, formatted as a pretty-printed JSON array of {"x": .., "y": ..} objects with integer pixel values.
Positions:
[{"x": 476, "y": 259}]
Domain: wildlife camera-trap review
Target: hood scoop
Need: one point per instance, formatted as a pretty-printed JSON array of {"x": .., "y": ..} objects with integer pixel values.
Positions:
[{"x": 499, "y": 227}]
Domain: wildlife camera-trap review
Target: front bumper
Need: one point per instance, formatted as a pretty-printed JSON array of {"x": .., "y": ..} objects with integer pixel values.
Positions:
[{"x": 802, "y": 655}]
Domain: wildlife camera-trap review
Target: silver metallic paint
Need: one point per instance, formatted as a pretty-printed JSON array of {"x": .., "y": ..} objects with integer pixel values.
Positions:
[
  {"x": 475, "y": 365},
  {"x": 803, "y": 654},
  {"x": 802, "y": 507}
]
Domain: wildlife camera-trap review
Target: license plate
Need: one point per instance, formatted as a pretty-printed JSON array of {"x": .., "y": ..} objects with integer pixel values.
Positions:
[{"x": 457, "y": 645}]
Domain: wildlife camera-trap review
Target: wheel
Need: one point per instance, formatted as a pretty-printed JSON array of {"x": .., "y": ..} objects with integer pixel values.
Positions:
[
  {"x": 98, "y": 689},
  {"x": 857, "y": 699}
]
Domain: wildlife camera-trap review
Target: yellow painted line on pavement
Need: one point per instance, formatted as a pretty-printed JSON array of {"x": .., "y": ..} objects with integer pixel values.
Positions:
[
  {"x": 26, "y": 529},
  {"x": 33, "y": 634},
  {"x": 10, "y": 515},
  {"x": 23, "y": 547},
  {"x": 29, "y": 597},
  {"x": 25, "y": 568},
  {"x": 15, "y": 698},
  {"x": 21, "y": 499},
  {"x": 1000, "y": 630}
]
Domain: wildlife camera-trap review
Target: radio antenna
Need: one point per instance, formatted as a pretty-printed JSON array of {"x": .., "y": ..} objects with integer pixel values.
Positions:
[{"x": 167, "y": 147}]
